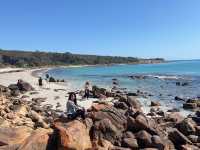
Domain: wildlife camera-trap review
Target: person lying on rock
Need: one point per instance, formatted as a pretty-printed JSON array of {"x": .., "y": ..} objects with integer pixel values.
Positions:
[{"x": 73, "y": 110}]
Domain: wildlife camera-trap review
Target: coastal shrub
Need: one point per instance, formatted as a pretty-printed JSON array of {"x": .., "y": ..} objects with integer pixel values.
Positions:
[{"x": 37, "y": 58}]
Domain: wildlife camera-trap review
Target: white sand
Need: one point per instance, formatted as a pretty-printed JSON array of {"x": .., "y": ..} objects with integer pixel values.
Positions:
[
  {"x": 10, "y": 69},
  {"x": 47, "y": 91}
]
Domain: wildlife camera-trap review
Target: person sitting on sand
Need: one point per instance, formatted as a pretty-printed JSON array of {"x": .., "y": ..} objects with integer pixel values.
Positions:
[
  {"x": 73, "y": 110},
  {"x": 87, "y": 90},
  {"x": 40, "y": 81}
]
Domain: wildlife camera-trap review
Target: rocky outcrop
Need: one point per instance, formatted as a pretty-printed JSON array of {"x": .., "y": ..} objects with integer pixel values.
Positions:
[
  {"x": 20, "y": 87},
  {"x": 154, "y": 103},
  {"x": 117, "y": 125},
  {"x": 106, "y": 130},
  {"x": 117, "y": 118},
  {"x": 72, "y": 135},
  {"x": 178, "y": 138},
  {"x": 14, "y": 136},
  {"x": 38, "y": 140},
  {"x": 192, "y": 104}
]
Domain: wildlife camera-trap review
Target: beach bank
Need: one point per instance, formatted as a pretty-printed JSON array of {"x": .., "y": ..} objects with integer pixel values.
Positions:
[{"x": 55, "y": 93}]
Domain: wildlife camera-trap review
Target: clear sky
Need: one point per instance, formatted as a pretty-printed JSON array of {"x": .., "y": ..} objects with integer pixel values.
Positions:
[{"x": 142, "y": 28}]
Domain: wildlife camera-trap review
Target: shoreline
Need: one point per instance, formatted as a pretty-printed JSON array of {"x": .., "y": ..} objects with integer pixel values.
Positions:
[
  {"x": 50, "y": 90},
  {"x": 54, "y": 93}
]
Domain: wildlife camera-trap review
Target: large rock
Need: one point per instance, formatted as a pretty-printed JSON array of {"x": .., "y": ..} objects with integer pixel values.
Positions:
[
  {"x": 88, "y": 123},
  {"x": 189, "y": 105},
  {"x": 38, "y": 119},
  {"x": 102, "y": 144},
  {"x": 177, "y": 98},
  {"x": 189, "y": 147},
  {"x": 194, "y": 138},
  {"x": 10, "y": 147},
  {"x": 15, "y": 92},
  {"x": 38, "y": 140},
  {"x": 159, "y": 143},
  {"x": 72, "y": 135},
  {"x": 175, "y": 117},
  {"x": 5, "y": 90},
  {"x": 128, "y": 134},
  {"x": 187, "y": 126},
  {"x": 24, "y": 86},
  {"x": 12, "y": 136},
  {"x": 144, "y": 139},
  {"x": 13, "y": 87},
  {"x": 99, "y": 106},
  {"x": 154, "y": 103},
  {"x": 117, "y": 118},
  {"x": 133, "y": 102},
  {"x": 141, "y": 122},
  {"x": 106, "y": 130},
  {"x": 130, "y": 143},
  {"x": 4, "y": 123},
  {"x": 121, "y": 105},
  {"x": 198, "y": 130},
  {"x": 97, "y": 92},
  {"x": 177, "y": 137},
  {"x": 21, "y": 110},
  {"x": 21, "y": 86}
]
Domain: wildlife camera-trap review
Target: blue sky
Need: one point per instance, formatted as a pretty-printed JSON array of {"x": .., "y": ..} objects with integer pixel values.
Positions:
[{"x": 142, "y": 28}]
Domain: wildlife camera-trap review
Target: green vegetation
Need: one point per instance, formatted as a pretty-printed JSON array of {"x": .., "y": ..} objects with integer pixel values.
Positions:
[{"x": 36, "y": 59}]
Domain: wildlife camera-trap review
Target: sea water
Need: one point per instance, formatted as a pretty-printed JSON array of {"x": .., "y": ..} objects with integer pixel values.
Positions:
[{"x": 160, "y": 82}]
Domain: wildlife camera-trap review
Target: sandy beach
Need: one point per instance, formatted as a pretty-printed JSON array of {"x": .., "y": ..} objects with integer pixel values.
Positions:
[{"x": 53, "y": 92}]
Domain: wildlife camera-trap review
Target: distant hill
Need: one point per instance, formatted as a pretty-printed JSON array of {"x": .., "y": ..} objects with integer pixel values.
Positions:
[{"x": 38, "y": 59}]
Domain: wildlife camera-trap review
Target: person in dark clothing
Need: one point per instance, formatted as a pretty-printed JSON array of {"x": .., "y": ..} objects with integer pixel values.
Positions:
[
  {"x": 40, "y": 81},
  {"x": 19, "y": 84},
  {"x": 73, "y": 110},
  {"x": 87, "y": 90},
  {"x": 87, "y": 93}
]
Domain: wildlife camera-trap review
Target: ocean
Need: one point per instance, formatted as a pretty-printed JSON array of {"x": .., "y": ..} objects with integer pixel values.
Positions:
[{"x": 159, "y": 80}]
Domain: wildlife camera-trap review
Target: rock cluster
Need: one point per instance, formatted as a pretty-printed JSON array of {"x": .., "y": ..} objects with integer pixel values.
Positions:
[
  {"x": 20, "y": 87},
  {"x": 192, "y": 104},
  {"x": 117, "y": 125}
]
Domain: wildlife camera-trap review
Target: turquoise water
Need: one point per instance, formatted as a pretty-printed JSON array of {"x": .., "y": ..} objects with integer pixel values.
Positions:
[{"x": 160, "y": 82}]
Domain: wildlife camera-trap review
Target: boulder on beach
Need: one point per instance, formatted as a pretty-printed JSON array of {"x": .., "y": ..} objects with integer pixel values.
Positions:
[
  {"x": 106, "y": 130},
  {"x": 5, "y": 90},
  {"x": 178, "y": 138},
  {"x": 187, "y": 126},
  {"x": 189, "y": 105},
  {"x": 144, "y": 139},
  {"x": 130, "y": 143},
  {"x": 117, "y": 118},
  {"x": 72, "y": 135},
  {"x": 21, "y": 86},
  {"x": 38, "y": 140},
  {"x": 12, "y": 136},
  {"x": 99, "y": 106},
  {"x": 154, "y": 103}
]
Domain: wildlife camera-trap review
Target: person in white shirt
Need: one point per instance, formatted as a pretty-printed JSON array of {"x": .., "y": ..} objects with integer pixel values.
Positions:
[{"x": 73, "y": 110}]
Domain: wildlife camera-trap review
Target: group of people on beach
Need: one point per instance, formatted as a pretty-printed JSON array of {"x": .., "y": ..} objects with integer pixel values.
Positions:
[{"x": 73, "y": 110}]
